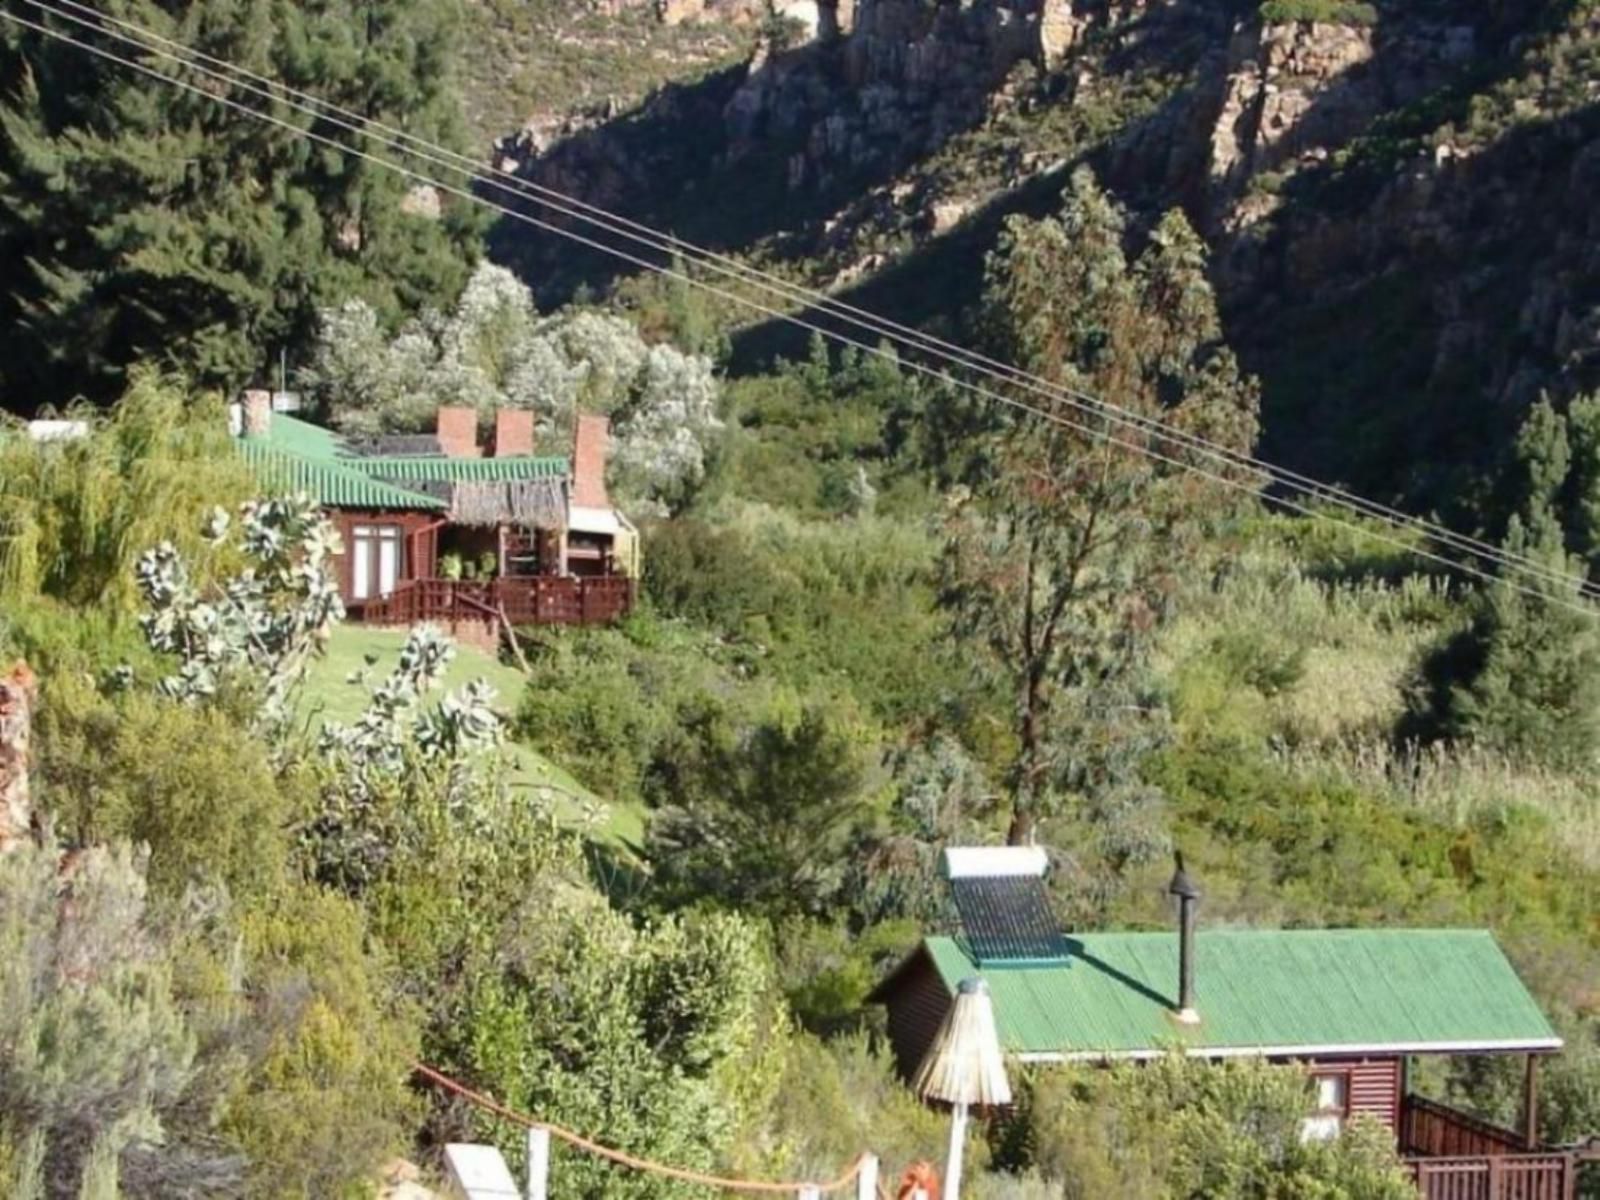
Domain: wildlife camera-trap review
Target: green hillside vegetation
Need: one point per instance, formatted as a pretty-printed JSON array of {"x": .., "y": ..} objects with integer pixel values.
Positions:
[
  {"x": 1335, "y": 12},
  {"x": 799, "y": 733},
  {"x": 877, "y": 617},
  {"x": 355, "y": 655},
  {"x": 549, "y": 57}
]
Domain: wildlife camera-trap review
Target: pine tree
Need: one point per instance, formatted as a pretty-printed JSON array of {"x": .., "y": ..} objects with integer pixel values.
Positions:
[
  {"x": 1529, "y": 663},
  {"x": 1534, "y": 692},
  {"x": 1067, "y": 555},
  {"x": 153, "y": 223}
]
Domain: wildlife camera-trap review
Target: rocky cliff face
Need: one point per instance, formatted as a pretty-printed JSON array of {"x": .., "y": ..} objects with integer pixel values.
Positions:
[
  {"x": 1455, "y": 269},
  {"x": 1340, "y": 172}
]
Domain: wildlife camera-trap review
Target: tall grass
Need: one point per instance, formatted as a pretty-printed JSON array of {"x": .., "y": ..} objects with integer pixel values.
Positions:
[
  {"x": 1270, "y": 651},
  {"x": 76, "y": 514},
  {"x": 1462, "y": 785}
]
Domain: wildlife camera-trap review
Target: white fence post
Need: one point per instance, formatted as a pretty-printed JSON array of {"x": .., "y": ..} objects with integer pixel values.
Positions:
[
  {"x": 810, "y": 1192},
  {"x": 538, "y": 1163},
  {"x": 867, "y": 1179}
]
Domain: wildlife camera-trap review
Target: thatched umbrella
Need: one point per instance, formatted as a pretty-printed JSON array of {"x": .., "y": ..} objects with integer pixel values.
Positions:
[{"x": 964, "y": 1067}]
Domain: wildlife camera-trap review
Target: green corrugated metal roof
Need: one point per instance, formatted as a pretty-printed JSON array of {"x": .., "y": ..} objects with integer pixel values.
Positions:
[
  {"x": 297, "y": 455},
  {"x": 331, "y": 483},
  {"x": 298, "y": 437},
  {"x": 1260, "y": 990},
  {"x": 462, "y": 470}
]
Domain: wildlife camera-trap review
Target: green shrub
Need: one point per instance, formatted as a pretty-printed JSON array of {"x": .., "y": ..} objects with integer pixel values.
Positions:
[
  {"x": 190, "y": 783},
  {"x": 1181, "y": 1126},
  {"x": 324, "y": 1101},
  {"x": 756, "y": 812},
  {"x": 658, "y": 1040},
  {"x": 1327, "y": 12},
  {"x": 75, "y": 514},
  {"x": 866, "y": 1104},
  {"x": 98, "y": 1054}
]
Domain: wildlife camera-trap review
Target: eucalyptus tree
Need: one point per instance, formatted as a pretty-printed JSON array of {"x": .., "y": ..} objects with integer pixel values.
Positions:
[
  {"x": 492, "y": 349},
  {"x": 1068, "y": 550}
]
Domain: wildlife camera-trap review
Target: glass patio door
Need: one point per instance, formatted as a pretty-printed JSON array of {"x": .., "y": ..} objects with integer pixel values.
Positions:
[{"x": 375, "y": 560}]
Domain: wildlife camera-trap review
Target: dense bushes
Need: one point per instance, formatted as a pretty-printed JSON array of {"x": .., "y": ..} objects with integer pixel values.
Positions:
[
  {"x": 209, "y": 803},
  {"x": 76, "y": 513},
  {"x": 96, "y": 1049},
  {"x": 658, "y": 1040},
  {"x": 1184, "y": 1127}
]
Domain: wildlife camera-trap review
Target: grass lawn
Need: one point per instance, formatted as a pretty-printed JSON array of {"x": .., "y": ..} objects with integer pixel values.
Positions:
[{"x": 327, "y": 694}]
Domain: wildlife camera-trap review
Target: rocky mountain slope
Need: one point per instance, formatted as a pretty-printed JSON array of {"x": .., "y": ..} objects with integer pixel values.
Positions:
[{"x": 1401, "y": 200}]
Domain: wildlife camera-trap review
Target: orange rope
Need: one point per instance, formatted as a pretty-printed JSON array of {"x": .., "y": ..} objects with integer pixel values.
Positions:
[{"x": 628, "y": 1160}]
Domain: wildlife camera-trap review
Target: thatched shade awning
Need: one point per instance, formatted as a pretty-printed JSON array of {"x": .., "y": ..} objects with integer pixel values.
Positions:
[
  {"x": 537, "y": 503},
  {"x": 964, "y": 1065}
]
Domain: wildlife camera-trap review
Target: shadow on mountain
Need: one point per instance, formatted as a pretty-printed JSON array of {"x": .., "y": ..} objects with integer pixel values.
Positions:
[
  {"x": 1401, "y": 310},
  {"x": 672, "y": 164},
  {"x": 1402, "y": 306},
  {"x": 937, "y": 285},
  {"x": 769, "y": 155},
  {"x": 1410, "y": 312}
]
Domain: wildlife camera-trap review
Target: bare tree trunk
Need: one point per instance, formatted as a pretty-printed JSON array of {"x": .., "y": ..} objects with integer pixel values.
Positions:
[{"x": 17, "y": 692}]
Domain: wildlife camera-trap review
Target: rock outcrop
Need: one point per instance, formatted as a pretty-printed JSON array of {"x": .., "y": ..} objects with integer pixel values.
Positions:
[
  {"x": 905, "y": 120},
  {"x": 18, "y": 690},
  {"x": 1288, "y": 89}
]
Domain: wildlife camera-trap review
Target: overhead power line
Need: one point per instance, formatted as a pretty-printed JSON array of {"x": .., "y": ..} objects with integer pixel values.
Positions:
[
  {"x": 354, "y": 123},
  {"x": 900, "y": 334}
]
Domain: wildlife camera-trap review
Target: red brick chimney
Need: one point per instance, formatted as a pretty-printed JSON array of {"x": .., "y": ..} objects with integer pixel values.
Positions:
[
  {"x": 513, "y": 432},
  {"x": 458, "y": 432},
  {"x": 589, "y": 449},
  {"x": 257, "y": 414}
]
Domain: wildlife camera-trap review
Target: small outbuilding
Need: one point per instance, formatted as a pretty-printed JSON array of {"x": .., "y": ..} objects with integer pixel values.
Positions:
[{"x": 1352, "y": 1006}]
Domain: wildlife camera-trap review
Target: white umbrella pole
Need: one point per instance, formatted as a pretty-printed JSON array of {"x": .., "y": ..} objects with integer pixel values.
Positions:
[{"x": 958, "y": 1142}]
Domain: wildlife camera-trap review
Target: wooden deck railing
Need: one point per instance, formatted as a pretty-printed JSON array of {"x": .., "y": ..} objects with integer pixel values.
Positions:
[
  {"x": 1430, "y": 1129},
  {"x": 1550, "y": 1176},
  {"x": 533, "y": 600},
  {"x": 1455, "y": 1156}
]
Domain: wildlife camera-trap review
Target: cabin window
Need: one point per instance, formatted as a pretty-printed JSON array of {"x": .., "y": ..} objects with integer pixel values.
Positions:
[
  {"x": 376, "y": 552},
  {"x": 1331, "y": 1091}
]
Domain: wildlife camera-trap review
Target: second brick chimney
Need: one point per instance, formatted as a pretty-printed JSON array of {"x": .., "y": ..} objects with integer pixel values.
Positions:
[
  {"x": 589, "y": 449},
  {"x": 513, "y": 432},
  {"x": 458, "y": 432}
]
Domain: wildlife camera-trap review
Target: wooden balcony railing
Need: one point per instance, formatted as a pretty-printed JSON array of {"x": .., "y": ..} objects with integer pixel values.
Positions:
[
  {"x": 1455, "y": 1156},
  {"x": 1433, "y": 1130},
  {"x": 1550, "y": 1176},
  {"x": 531, "y": 600}
]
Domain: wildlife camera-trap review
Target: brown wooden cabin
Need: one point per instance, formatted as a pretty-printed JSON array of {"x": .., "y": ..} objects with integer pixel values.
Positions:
[
  {"x": 1353, "y": 1006},
  {"x": 438, "y": 528}
]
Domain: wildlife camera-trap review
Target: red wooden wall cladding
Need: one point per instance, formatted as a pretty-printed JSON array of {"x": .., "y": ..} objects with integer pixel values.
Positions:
[
  {"x": 1375, "y": 1090},
  {"x": 914, "y": 1013},
  {"x": 418, "y": 532}
]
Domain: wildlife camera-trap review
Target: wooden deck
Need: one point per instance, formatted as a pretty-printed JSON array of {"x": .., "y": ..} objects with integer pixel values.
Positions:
[
  {"x": 531, "y": 600},
  {"x": 1455, "y": 1156}
]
